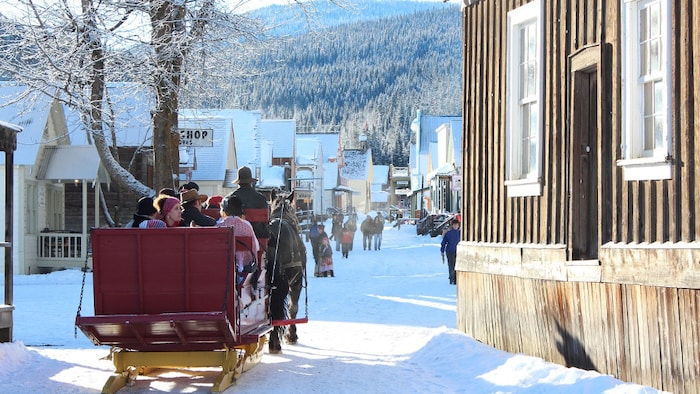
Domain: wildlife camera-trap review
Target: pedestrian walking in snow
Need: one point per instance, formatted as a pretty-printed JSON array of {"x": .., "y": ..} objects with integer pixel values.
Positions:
[{"x": 449, "y": 247}]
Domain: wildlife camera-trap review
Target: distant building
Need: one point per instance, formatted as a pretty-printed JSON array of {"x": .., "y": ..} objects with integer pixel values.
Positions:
[{"x": 357, "y": 175}]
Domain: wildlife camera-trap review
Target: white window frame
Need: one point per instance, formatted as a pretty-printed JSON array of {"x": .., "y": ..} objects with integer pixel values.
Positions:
[
  {"x": 637, "y": 163},
  {"x": 518, "y": 183}
]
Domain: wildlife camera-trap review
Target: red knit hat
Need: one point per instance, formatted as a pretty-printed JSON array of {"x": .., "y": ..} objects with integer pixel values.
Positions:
[{"x": 168, "y": 205}]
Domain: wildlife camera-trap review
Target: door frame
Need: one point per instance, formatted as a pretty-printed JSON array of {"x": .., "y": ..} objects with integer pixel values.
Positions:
[{"x": 587, "y": 60}]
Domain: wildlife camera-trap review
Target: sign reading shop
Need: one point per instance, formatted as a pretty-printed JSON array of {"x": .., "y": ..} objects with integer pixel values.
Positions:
[{"x": 196, "y": 137}]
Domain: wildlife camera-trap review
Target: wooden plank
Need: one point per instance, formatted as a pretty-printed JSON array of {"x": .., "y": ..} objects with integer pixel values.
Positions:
[
  {"x": 653, "y": 336},
  {"x": 631, "y": 333},
  {"x": 690, "y": 10},
  {"x": 689, "y": 310},
  {"x": 670, "y": 344},
  {"x": 614, "y": 317}
]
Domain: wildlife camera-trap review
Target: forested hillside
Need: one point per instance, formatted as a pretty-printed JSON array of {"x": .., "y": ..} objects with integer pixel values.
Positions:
[{"x": 365, "y": 77}]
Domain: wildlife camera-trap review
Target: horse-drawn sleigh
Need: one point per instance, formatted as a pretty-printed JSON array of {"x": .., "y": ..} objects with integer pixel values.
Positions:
[{"x": 174, "y": 298}]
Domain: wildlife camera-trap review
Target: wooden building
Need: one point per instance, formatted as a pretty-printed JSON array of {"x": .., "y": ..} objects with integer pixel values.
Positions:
[{"x": 581, "y": 147}]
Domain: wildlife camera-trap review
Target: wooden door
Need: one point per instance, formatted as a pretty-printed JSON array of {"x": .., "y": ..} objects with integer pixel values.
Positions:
[{"x": 584, "y": 201}]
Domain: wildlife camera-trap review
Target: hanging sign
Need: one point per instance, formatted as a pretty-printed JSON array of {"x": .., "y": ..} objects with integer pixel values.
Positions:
[
  {"x": 456, "y": 182},
  {"x": 196, "y": 137}
]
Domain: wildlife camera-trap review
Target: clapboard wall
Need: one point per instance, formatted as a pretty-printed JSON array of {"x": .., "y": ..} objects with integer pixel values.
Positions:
[{"x": 631, "y": 310}]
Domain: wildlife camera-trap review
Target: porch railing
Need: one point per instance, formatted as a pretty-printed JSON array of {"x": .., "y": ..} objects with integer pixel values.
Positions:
[{"x": 62, "y": 249}]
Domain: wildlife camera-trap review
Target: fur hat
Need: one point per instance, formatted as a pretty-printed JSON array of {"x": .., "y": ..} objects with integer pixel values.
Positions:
[
  {"x": 245, "y": 176},
  {"x": 192, "y": 195},
  {"x": 146, "y": 207}
]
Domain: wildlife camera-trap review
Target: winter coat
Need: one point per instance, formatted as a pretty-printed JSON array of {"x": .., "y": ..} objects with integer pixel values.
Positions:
[
  {"x": 450, "y": 241},
  {"x": 378, "y": 225},
  {"x": 367, "y": 226}
]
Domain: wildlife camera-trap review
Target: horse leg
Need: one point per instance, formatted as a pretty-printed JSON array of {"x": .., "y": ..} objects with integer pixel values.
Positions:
[
  {"x": 277, "y": 311},
  {"x": 295, "y": 276}
]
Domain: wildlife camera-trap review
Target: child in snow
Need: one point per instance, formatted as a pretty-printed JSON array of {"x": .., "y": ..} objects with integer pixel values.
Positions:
[
  {"x": 346, "y": 240},
  {"x": 326, "y": 254}
]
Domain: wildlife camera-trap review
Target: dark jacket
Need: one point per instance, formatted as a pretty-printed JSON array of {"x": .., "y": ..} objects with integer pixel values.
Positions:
[
  {"x": 251, "y": 199},
  {"x": 450, "y": 241},
  {"x": 138, "y": 219},
  {"x": 192, "y": 214},
  {"x": 367, "y": 225}
]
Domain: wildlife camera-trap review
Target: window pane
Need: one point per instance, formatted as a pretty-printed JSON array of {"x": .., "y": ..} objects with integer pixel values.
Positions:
[
  {"x": 525, "y": 139},
  {"x": 660, "y": 142},
  {"x": 531, "y": 42},
  {"x": 654, "y": 56},
  {"x": 649, "y": 133},
  {"x": 654, "y": 20},
  {"x": 644, "y": 24},
  {"x": 531, "y": 78},
  {"x": 533, "y": 137},
  {"x": 658, "y": 97}
]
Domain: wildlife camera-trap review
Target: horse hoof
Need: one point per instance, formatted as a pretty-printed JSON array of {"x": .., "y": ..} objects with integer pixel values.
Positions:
[{"x": 275, "y": 351}]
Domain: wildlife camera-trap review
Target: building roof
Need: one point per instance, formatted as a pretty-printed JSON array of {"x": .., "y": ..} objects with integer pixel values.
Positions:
[
  {"x": 309, "y": 151},
  {"x": 68, "y": 163},
  {"x": 131, "y": 105},
  {"x": 330, "y": 143},
  {"x": 31, "y": 114},
  {"x": 233, "y": 129},
  {"x": 281, "y": 133}
]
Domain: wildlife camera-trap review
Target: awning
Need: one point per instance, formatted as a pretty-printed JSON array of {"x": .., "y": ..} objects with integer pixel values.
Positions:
[
  {"x": 445, "y": 169},
  {"x": 68, "y": 163},
  {"x": 343, "y": 189}
]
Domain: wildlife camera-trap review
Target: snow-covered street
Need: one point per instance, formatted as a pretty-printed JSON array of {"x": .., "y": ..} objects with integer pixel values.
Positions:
[{"x": 385, "y": 323}]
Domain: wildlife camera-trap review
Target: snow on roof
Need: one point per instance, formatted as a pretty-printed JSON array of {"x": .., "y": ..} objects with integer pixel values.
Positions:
[
  {"x": 31, "y": 114},
  {"x": 329, "y": 143},
  {"x": 357, "y": 164},
  {"x": 271, "y": 176},
  {"x": 308, "y": 151},
  {"x": 69, "y": 162},
  {"x": 281, "y": 133},
  {"x": 428, "y": 126},
  {"x": 211, "y": 160},
  {"x": 131, "y": 104},
  {"x": 245, "y": 133}
]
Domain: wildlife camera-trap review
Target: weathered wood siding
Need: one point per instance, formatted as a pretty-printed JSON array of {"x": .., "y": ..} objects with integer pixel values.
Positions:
[
  {"x": 633, "y": 310},
  {"x": 636, "y": 333},
  {"x": 639, "y": 211}
]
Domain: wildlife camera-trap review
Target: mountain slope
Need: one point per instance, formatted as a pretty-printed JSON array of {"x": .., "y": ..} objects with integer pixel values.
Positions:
[{"x": 365, "y": 77}]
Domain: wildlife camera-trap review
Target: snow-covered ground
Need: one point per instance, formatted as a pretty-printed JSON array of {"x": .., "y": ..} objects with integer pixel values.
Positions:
[{"x": 385, "y": 323}]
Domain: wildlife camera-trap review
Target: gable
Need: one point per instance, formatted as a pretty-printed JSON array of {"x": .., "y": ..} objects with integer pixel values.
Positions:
[{"x": 40, "y": 117}]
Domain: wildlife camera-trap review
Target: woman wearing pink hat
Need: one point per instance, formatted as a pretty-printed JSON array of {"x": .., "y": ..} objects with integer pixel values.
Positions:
[{"x": 169, "y": 210}]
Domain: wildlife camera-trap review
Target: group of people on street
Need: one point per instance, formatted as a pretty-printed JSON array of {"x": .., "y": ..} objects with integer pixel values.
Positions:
[
  {"x": 184, "y": 207},
  {"x": 372, "y": 229}
]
